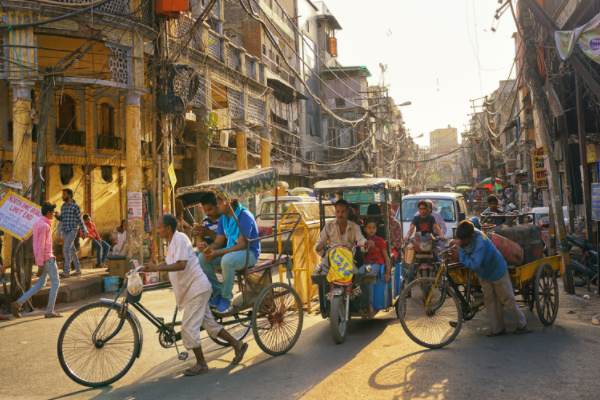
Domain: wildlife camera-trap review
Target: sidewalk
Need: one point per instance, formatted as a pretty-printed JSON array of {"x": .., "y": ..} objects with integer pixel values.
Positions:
[{"x": 73, "y": 288}]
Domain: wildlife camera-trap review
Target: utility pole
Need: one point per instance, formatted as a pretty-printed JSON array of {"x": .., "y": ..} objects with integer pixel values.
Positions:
[
  {"x": 587, "y": 196},
  {"x": 535, "y": 83}
]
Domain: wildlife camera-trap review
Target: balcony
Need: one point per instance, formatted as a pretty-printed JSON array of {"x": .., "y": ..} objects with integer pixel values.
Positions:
[
  {"x": 110, "y": 144},
  {"x": 282, "y": 73},
  {"x": 66, "y": 138},
  {"x": 144, "y": 14}
]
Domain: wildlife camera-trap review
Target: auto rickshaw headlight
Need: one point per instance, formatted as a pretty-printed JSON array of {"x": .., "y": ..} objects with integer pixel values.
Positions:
[
  {"x": 317, "y": 270},
  {"x": 369, "y": 268}
]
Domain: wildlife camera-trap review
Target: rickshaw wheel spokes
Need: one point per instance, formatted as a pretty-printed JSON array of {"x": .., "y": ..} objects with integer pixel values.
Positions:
[
  {"x": 277, "y": 319},
  {"x": 546, "y": 294}
]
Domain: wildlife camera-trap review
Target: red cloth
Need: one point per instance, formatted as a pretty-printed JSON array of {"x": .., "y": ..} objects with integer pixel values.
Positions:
[
  {"x": 375, "y": 254},
  {"x": 92, "y": 232}
]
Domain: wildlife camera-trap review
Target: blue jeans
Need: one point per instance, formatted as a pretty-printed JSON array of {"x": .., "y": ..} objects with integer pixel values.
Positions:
[
  {"x": 102, "y": 249},
  {"x": 50, "y": 269},
  {"x": 375, "y": 269},
  {"x": 70, "y": 252},
  {"x": 228, "y": 264}
]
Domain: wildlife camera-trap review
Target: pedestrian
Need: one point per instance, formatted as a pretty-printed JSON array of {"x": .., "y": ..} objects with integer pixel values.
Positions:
[
  {"x": 192, "y": 291},
  {"x": 70, "y": 216},
  {"x": 42, "y": 251},
  {"x": 116, "y": 233},
  {"x": 102, "y": 247},
  {"x": 479, "y": 254}
]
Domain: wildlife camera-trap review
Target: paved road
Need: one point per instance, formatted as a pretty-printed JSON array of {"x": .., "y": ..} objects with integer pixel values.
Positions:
[{"x": 377, "y": 361}]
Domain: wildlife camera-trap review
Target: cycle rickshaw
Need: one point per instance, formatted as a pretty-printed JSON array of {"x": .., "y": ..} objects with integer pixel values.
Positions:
[
  {"x": 432, "y": 310},
  {"x": 100, "y": 342},
  {"x": 340, "y": 301}
]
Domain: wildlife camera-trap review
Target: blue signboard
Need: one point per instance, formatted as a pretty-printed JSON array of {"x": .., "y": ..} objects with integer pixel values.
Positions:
[
  {"x": 478, "y": 177},
  {"x": 596, "y": 201}
]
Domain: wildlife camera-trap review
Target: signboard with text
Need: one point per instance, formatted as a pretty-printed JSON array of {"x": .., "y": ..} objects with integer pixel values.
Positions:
[
  {"x": 18, "y": 215},
  {"x": 539, "y": 170},
  {"x": 222, "y": 159}
]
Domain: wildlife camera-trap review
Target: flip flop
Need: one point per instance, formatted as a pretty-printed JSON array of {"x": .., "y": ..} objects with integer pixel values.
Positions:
[
  {"x": 189, "y": 372},
  {"x": 520, "y": 331},
  {"x": 53, "y": 315},
  {"x": 501, "y": 333},
  {"x": 240, "y": 356}
]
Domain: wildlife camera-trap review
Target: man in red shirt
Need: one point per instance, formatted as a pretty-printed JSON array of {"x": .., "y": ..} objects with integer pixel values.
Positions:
[
  {"x": 42, "y": 250},
  {"x": 102, "y": 247}
]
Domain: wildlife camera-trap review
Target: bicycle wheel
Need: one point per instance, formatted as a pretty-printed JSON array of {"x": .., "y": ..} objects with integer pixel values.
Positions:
[
  {"x": 237, "y": 329},
  {"x": 97, "y": 365},
  {"x": 546, "y": 294},
  {"x": 277, "y": 319},
  {"x": 432, "y": 329}
]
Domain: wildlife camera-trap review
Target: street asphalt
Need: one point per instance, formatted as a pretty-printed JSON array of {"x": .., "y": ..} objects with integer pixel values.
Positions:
[{"x": 377, "y": 361}]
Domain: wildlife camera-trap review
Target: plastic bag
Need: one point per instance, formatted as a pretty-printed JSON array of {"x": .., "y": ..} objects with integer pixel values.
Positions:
[{"x": 135, "y": 284}]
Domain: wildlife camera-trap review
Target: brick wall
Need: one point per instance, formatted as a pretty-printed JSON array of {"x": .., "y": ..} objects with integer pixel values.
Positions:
[{"x": 237, "y": 20}]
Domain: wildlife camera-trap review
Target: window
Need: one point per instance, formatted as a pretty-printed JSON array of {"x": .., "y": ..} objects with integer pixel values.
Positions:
[
  {"x": 269, "y": 208},
  {"x": 307, "y": 26},
  {"x": 277, "y": 60},
  {"x": 264, "y": 50},
  {"x": 106, "y": 171},
  {"x": 66, "y": 113},
  {"x": 444, "y": 207},
  {"x": 340, "y": 102},
  {"x": 107, "y": 120}
]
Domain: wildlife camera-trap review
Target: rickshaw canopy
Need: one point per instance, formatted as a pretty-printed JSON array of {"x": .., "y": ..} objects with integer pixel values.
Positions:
[
  {"x": 239, "y": 185},
  {"x": 358, "y": 183}
]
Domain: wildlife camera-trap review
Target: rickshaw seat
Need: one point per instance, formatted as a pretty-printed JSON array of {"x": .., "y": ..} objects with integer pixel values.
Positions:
[{"x": 267, "y": 263}]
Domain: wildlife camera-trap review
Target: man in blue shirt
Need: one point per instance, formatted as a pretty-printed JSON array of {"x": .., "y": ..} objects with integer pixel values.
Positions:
[
  {"x": 208, "y": 229},
  {"x": 228, "y": 252},
  {"x": 71, "y": 221},
  {"x": 479, "y": 254},
  {"x": 492, "y": 202}
]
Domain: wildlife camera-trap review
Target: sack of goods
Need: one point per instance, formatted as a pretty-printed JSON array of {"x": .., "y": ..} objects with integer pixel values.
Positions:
[
  {"x": 511, "y": 251},
  {"x": 134, "y": 288}
]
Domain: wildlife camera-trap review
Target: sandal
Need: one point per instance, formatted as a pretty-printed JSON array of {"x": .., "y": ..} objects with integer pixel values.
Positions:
[
  {"x": 501, "y": 333},
  {"x": 53, "y": 315},
  {"x": 239, "y": 356},
  {"x": 4, "y": 318},
  {"x": 15, "y": 309},
  {"x": 189, "y": 372},
  {"x": 520, "y": 331}
]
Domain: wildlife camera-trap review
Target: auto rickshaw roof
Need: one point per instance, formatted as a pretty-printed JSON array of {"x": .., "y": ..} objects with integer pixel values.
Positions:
[
  {"x": 358, "y": 183},
  {"x": 238, "y": 185}
]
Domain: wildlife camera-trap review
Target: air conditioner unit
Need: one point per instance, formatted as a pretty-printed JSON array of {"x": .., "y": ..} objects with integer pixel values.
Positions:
[{"x": 224, "y": 139}]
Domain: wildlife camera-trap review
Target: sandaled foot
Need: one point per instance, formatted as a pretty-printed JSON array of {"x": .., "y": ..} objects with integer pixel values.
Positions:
[
  {"x": 239, "y": 354},
  {"x": 76, "y": 273},
  {"x": 64, "y": 275},
  {"x": 196, "y": 370},
  {"x": 53, "y": 315},
  {"x": 15, "y": 309},
  {"x": 520, "y": 331},
  {"x": 501, "y": 333}
]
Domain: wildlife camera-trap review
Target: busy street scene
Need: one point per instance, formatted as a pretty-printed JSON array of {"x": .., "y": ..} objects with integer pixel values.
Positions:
[{"x": 298, "y": 199}]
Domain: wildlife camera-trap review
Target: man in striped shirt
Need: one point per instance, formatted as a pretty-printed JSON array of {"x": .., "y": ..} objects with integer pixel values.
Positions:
[{"x": 70, "y": 216}]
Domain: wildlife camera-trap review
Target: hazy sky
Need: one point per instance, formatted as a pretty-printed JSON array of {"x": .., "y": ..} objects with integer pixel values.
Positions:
[{"x": 430, "y": 49}]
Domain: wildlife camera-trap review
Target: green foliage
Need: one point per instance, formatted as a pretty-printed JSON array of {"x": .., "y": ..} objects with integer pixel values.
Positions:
[
  {"x": 434, "y": 178},
  {"x": 210, "y": 127}
]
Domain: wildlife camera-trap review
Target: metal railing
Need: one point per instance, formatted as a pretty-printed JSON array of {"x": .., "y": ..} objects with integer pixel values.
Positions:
[
  {"x": 70, "y": 137},
  {"x": 109, "y": 143}
]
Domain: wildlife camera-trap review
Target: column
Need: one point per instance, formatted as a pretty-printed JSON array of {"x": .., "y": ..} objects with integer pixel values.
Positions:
[
  {"x": 265, "y": 148},
  {"x": 22, "y": 129},
  {"x": 202, "y": 152},
  {"x": 134, "y": 177},
  {"x": 241, "y": 146}
]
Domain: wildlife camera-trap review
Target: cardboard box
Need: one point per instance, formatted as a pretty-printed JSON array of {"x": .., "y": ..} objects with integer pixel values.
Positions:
[
  {"x": 118, "y": 267},
  {"x": 151, "y": 278}
]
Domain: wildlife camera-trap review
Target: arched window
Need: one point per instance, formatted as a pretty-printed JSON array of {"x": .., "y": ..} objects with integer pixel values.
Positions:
[
  {"x": 107, "y": 120},
  {"x": 66, "y": 113}
]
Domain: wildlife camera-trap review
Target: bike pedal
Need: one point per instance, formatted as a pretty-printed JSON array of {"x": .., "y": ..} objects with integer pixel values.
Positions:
[{"x": 183, "y": 355}]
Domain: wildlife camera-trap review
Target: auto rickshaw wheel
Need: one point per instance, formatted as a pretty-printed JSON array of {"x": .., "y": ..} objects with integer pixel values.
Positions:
[
  {"x": 339, "y": 327},
  {"x": 546, "y": 294},
  {"x": 277, "y": 319}
]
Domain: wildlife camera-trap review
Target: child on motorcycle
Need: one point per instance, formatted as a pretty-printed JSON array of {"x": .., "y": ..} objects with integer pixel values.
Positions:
[{"x": 376, "y": 257}]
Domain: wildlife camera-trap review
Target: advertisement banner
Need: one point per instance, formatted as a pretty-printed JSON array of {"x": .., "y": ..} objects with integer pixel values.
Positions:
[
  {"x": 222, "y": 160},
  {"x": 539, "y": 169},
  {"x": 586, "y": 36},
  {"x": 596, "y": 201}
]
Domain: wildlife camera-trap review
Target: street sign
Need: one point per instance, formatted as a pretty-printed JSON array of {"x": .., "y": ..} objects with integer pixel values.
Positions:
[
  {"x": 539, "y": 168},
  {"x": 596, "y": 201},
  {"x": 18, "y": 215}
]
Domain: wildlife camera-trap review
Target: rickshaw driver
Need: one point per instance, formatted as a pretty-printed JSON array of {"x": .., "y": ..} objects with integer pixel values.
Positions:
[
  {"x": 192, "y": 291},
  {"x": 340, "y": 232},
  {"x": 228, "y": 252}
]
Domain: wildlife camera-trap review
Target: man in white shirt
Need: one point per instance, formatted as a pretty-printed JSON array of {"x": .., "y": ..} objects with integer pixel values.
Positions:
[
  {"x": 192, "y": 292},
  {"x": 120, "y": 249}
]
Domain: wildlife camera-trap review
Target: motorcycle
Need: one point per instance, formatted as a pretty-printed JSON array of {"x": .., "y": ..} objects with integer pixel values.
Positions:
[
  {"x": 420, "y": 255},
  {"x": 586, "y": 267}
]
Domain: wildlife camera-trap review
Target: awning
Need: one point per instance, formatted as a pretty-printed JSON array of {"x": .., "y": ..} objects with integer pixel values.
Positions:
[{"x": 283, "y": 91}]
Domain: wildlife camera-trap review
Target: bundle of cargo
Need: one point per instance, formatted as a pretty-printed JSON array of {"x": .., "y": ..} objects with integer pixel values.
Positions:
[
  {"x": 529, "y": 237},
  {"x": 511, "y": 251}
]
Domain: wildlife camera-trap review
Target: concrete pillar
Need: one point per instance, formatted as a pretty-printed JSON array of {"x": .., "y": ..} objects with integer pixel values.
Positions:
[
  {"x": 134, "y": 176},
  {"x": 265, "y": 148},
  {"x": 241, "y": 146},
  {"x": 22, "y": 129},
  {"x": 202, "y": 152}
]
